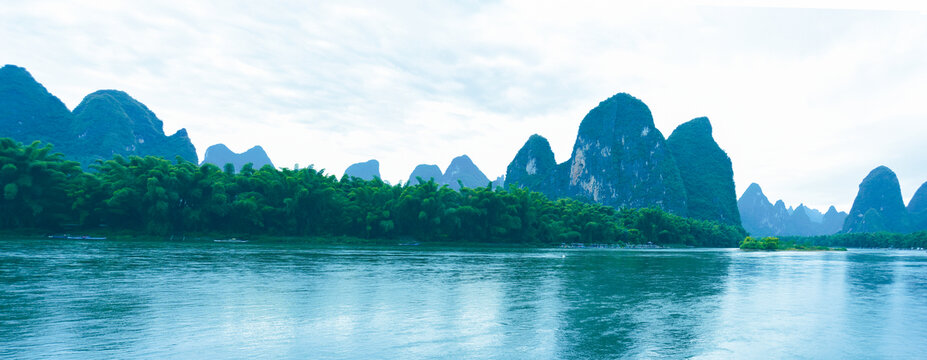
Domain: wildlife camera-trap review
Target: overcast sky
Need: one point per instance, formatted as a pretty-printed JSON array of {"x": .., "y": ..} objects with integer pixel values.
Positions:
[{"x": 806, "y": 101}]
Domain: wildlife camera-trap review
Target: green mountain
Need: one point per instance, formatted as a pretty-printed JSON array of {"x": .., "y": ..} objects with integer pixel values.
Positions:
[
  {"x": 534, "y": 166},
  {"x": 110, "y": 122},
  {"x": 28, "y": 112},
  {"x": 619, "y": 159},
  {"x": 220, "y": 155},
  {"x": 917, "y": 209},
  {"x": 367, "y": 170},
  {"x": 106, "y": 123},
  {"x": 878, "y": 205},
  {"x": 706, "y": 172},
  {"x": 426, "y": 172}
]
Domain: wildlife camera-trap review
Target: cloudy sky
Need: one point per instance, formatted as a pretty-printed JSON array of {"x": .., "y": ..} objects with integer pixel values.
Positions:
[{"x": 805, "y": 96}]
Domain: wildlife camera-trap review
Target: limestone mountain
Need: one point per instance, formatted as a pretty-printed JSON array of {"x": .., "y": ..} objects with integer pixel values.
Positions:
[
  {"x": 106, "y": 123},
  {"x": 706, "y": 172},
  {"x": 878, "y": 205},
  {"x": 619, "y": 159},
  {"x": 365, "y": 170},
  {"x": 832, "y": 221},
  {"x": 28, "y": 112},
  {"x": 762, "y": 218},
  {"x": 534, "y": 166},
  {"x": 219, "y": 155},
  {"x": 917, "y": 208},
  {"x": 463, "y": 170},
  {"x": 110, "y": 122},
  {"x": 426, "y": 172}
]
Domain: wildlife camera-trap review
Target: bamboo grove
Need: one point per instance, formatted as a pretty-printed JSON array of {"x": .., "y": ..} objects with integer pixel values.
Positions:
[{"x": 154, "y": 196}]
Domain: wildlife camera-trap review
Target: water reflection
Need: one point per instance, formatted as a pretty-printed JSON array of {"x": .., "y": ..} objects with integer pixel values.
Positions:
[
  {"x": 77, "y": 299},
  {"x": 639, "y": 304}
]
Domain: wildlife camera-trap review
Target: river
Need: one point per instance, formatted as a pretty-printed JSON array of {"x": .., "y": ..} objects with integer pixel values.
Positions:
[{"x": 156, "y": 300}]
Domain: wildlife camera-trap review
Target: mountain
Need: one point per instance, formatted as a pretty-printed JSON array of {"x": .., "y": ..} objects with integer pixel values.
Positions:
[
  {"x": 619, "y": 159},
  {"x": 426, "y": 172},
  {"x": 706, "y": 172},
  {"x": 28, "y": 112},
  {"x": 106, "y": 123},
  {"x": 499, "y": 182},
  {"x": 762, "y": 218},
  {"x": 815, "y": 215},
  {"x": 917, "y": 208},
  {"x": 878, "y": 205},
  {"x": 832, "y": 221},
  {"x": 110, "y": 122},
  {"x": 463, "y": 170},
  {"x": 534, "y": 166},
  {"x": 365, "y": 170},
  {"x": 219, "y": 155}
]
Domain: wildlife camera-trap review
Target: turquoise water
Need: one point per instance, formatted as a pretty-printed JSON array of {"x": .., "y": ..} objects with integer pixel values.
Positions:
[{"x": 108, "y": 299}]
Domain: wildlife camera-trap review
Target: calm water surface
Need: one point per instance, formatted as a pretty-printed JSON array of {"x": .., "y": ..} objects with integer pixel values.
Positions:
[{"x": 77, "y": 299}]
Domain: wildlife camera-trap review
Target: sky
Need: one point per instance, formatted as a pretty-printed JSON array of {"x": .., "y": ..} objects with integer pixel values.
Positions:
[{"x": 806, "y": 97}]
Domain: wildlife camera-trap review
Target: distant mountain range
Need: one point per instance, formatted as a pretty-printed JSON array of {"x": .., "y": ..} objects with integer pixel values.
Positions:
[
  {"x": 762, "y": 218},
  {"x": 619, "y": 159},
  {"x": 104, "y": 124},
  {"x": 879, "y": 206},
  {"x": 220, "y": 155},
  {"x": 462, "y": 170}
]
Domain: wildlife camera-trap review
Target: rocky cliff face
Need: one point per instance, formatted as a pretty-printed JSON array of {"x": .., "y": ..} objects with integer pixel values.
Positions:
[
  {"x": 462, "y": 170},
  {"x": 619, "y": 159},
  {"x": 426, "y": 172},
  {"x": 365, "y": 170},
  {"x": 219, "y": 155},
  {"x": 762, "y": 218},
  {"x": 106, "y": 123},
  {"x": 878, "y": 205},
  {"x": 706, "y": 172},
  {"x": 534, "y": 167}
]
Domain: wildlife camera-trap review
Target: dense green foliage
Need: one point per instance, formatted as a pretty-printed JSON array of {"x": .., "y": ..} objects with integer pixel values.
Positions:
[
  {"x": 766, "y": 243},
  {"x": 152, "y": 195},
  {"x": 871, "y": 240},
  {"x": 706, "y": 172},
  {"x": 770, "y": 243}
]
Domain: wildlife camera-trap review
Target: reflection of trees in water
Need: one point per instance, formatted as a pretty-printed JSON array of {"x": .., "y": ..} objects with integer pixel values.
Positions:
[{"x": 648, "y": 304}]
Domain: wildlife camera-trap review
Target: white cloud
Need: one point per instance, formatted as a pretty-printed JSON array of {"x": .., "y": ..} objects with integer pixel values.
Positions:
[{"x": 805, "y": 101}]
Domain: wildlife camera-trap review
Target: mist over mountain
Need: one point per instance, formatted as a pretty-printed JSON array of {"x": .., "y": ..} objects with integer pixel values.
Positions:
[
  {"x": 219, "y": 155},
  {"x": 762, "y": 218},
  {"x": 104, "y": 124}
]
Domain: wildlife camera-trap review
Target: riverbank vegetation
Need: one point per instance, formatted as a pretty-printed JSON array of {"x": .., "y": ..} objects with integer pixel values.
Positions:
[
  {"x": 773, "y": 244},
  {"x": 154, "y": 196},
  {"x": 887, "y": 240}
]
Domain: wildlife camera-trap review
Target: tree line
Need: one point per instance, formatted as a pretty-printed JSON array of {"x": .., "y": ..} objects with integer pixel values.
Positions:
[{"x": 154, "y": 196}]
